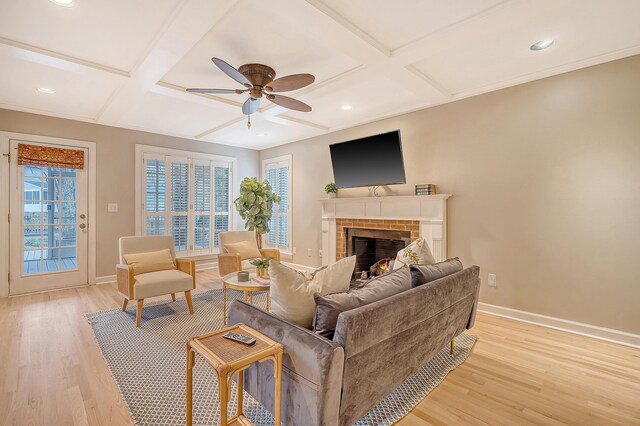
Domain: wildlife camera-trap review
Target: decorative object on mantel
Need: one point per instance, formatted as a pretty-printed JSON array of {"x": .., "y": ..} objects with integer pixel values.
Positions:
[
  {"x": 331, "y": 189},
  {"x": 255, "y": 205},
  {"x": 262, "y": 266},
  {"x": 426, "y": 189}
]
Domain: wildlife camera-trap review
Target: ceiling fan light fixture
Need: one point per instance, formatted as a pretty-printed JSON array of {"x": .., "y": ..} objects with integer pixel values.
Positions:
[
  {"x": 46, "y": 90},
  {"x": 65, "y": 3},
  {"x": 541, "y": 45},
  {"x": 346, "y": 107}
]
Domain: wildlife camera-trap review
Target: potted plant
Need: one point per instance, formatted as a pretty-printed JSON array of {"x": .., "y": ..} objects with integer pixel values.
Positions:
[
  {"x": 255, "y": 205},
  {"x": 331, "y": 189},
  {"x": 262, "y": 266}
]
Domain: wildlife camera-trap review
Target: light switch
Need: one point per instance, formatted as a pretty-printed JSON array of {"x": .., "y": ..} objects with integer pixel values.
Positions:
[{"x": 112, "y": 207}]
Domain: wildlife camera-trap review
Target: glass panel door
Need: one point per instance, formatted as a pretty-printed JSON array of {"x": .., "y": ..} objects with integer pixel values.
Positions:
[{"x": 48, "y": 227}]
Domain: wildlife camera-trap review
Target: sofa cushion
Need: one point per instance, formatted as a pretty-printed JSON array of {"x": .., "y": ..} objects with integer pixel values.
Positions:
[
  {"x": 330, "y": 306},
  {"x": 246, "y": 249},
  {"x": 416, "y": 253},
  {"x": 161, "y": 282},
  {"x": 151, "y": 261},
  {"x": 422, "y": 274},
  {"x": 292, "y": 293}
]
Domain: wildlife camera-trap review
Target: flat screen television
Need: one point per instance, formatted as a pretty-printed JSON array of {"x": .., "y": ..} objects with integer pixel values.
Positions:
[{"x": 372, "y": 161}]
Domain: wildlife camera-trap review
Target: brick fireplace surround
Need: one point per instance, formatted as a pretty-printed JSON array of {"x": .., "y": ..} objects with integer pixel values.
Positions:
[
  {"x": 391, "y": 224},
  {"x": 420, "y": 215}
]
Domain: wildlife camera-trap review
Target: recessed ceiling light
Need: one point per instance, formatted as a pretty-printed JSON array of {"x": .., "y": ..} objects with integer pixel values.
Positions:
[
  {"x": 346, "y": 107},
  {"x": 261, "y": 135},
  {"x": 542, "y": 44},
  {"x": 46, "y": 90},
  {"x": 65, "y": 3}
]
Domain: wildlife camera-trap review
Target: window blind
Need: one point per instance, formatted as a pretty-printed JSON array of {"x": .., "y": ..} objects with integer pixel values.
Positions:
[{"x": 198, "y": 192}]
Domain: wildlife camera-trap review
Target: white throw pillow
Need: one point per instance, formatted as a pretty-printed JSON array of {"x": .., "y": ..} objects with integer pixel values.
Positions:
[
  {"x": 416, "y": 253},
  {"x": 292, "y": 292}
]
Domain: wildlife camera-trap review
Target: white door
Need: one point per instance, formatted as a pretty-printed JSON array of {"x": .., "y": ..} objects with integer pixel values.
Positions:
[{"x": 48, "y": 225}]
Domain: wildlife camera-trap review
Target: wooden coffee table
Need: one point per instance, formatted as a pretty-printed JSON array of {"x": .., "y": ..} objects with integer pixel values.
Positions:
[
  {"x": 229, "y": 358},
  {"x": 247, "y": 287}
]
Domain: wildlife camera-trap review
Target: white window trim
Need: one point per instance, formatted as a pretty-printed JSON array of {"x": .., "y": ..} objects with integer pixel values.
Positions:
[
  {"x": 5, "y": 138},
  {"x": 141, "y": 150},
  {"x": 289, "y": 159}
]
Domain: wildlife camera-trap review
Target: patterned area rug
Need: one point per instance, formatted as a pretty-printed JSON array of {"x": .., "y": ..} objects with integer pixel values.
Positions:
[{"x": 148, "y": 364}]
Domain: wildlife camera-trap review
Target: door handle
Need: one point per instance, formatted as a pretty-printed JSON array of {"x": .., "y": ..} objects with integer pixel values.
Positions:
[
  {"x": 82, "y": 226},
  {"x": 82, "y": 216}
]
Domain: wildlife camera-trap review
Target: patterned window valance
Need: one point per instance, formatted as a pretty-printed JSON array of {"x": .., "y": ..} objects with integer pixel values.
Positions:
[{"x": 37, "y": 155}]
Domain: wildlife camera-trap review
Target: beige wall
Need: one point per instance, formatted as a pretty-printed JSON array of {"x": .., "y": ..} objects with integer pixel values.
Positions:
[
  {"x": 546, "y": 185},
  {"x": 115, "y": 151}
]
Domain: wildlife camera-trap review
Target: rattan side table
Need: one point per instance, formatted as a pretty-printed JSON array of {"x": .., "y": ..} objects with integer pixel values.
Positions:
[{"x": 229, "y": 358}]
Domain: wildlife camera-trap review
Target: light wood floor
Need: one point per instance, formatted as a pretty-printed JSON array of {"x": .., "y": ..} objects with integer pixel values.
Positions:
[{"x": 52, "y": 372}]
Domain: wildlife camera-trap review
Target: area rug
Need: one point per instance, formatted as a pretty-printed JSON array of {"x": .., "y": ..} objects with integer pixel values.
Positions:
[{"x": 148, "y": 364}]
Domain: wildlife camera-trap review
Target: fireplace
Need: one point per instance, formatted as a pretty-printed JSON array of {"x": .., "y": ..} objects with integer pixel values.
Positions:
[{"x": 372, "y": 245}]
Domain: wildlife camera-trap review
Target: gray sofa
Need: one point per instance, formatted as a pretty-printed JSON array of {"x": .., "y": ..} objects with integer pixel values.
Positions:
[{"x": 374, "y": 349}]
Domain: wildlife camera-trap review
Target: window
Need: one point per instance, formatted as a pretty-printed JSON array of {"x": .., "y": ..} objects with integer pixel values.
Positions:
[
  {"x": 185, "y": 194},
  {"x": 278, "y": 172}
]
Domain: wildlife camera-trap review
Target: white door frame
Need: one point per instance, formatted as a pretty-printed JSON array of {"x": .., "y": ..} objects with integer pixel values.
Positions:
[{"x": 5, "y": 137}]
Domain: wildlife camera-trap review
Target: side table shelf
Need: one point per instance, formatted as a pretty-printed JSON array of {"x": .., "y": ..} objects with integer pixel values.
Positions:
[{"x": 229, "y": 358}]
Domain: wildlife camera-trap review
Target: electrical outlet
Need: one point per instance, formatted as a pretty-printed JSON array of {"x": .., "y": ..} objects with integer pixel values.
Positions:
[
  {"x": 112, "y": 207},
  {"x": 492, "y": 280},
  {"x": 309, "y": 252},
  {"x": 295, "y": 250}
]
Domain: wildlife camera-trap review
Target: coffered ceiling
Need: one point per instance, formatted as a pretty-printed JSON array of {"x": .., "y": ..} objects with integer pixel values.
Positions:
[{"x": 126, "y": 63}]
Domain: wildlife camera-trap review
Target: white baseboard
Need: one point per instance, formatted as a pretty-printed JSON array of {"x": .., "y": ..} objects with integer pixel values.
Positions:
[
  {"x": 602, "y": 333},
  {"x": 299, "y": 267},
  {"x": 106, "y": 279}
]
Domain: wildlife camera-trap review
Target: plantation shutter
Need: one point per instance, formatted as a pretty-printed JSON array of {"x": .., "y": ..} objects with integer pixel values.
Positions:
[
  {"x": 179, "y": 224},
  {"x": 277, "y": 173},
  {"x": 188, "y": 198},
  {"x": 222, "y": 195},
  {"x": 155, "y": 185},
  {"x": 283, "y": 206}
]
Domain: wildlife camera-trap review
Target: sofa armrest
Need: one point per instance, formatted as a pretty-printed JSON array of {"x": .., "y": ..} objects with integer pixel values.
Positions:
[
  {"x": 272, "y": 253},
  {"x": 312, "y": 369},
  {"x": 228, "y": 263},
  {"x": 187, "y": 266},
  {"x": 124, "y": 277}
]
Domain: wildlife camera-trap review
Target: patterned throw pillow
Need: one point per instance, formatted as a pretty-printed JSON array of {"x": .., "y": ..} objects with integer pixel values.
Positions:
[{"x": 416, "y": 253}]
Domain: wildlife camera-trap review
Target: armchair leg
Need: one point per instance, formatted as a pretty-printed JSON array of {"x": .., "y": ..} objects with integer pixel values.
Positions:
[
  {"x": 139, "y": 312},
  {"x": 173, "y": 297},
  {"x": 187, "y": 295},
  {"x": 124, "y": 304}
]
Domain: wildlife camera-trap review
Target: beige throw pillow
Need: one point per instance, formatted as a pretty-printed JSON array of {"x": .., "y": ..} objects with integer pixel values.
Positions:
[
  {"x": 416, "y": 253},
  {"x": 292, "y": 293},
  {"x": 151, "y": 261},
  {"x": 246, "y": 249}
]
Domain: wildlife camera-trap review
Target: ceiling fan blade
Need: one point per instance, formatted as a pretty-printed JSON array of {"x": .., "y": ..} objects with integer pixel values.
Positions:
[
  {"x": 290, "y": 82},
  {"x": 231, "y": 72},
  {"x": 287, "y": 102},
  {"x": 250, "y": 106},
  {"x": 221, "y": 91}
]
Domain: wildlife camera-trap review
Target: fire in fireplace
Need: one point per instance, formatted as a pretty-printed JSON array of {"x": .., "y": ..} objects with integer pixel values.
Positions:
[{"x": 375, "y": 248}]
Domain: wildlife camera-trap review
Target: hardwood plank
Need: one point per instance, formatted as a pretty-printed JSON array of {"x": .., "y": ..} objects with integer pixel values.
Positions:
[{"x": 52, "y": 371}]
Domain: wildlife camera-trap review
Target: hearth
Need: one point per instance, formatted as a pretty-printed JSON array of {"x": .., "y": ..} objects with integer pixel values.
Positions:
[{"x": 373, "y": 245}]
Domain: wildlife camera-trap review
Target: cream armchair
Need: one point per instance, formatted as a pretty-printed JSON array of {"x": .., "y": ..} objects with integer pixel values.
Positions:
[
  {"x": 152, "y": 283},
  {"x": 231, "y": 262}
]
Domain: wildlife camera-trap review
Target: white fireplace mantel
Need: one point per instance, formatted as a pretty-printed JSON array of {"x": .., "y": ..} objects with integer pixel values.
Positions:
[{"x": 429, "y": 210}]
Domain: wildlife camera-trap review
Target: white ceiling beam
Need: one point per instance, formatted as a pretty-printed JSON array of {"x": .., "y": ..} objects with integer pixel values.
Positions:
[
  {"x": 339, "y": 33},
  {"x": 191, "y": 21}
]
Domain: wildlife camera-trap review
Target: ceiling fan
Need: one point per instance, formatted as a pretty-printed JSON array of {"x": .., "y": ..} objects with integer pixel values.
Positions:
[{"x": 258, "y": 81}]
